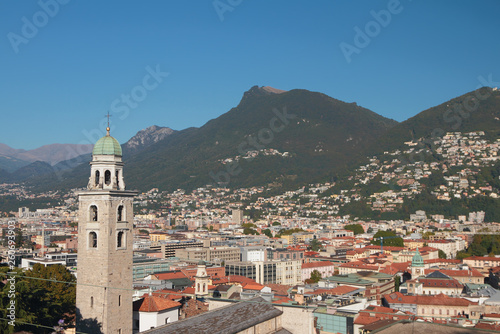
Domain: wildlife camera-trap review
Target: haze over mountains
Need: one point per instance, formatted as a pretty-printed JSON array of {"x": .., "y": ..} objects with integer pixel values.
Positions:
[
  {"x": 11, "y": 159},
  {"x": 282, "y": 138}
]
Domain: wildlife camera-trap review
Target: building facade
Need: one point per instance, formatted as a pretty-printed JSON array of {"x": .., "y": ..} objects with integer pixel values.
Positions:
[{"x": 105, "y": 222}]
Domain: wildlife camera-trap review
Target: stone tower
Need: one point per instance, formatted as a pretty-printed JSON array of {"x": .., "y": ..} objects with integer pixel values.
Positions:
[{"x": 105, "y": 221}]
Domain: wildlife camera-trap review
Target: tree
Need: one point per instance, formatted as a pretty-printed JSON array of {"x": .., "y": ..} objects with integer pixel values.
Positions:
[
  {"x": 397, "y": 283},
  {"x": 276, "y": 224},
  {"x": 356, "y": 228},
  {"x": 393, "y": 241},
  {"x": 247, "y": 231},
  {"x": 370, "y": 230},
  {"x": 41, "y": 301},
  {"x": 315, "y": 276},
  {"x": 268, "y": 233},
  {"x": 441, "y": 254},
  {"x": 315, "y": 245}
]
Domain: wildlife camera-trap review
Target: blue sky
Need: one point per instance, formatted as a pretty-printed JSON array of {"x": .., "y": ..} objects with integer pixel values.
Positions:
[{"x": 86, "y": 57}]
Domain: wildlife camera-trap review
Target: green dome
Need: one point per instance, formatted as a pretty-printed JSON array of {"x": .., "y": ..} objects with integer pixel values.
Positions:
[
  {"x": 417, "y": 260},
  {"x": 107, "y": 145}
]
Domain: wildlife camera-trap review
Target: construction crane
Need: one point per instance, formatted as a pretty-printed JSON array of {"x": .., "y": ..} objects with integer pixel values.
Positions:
[{"x": 382, "y": 241}]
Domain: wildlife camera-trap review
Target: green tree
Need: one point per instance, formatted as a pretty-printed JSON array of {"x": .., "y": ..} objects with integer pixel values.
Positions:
[
  {"x": 390, "y": 239},
  {"x": 315, "y": 245},
  {"x": 397, "y": 283},
  {"x": 370, "y": 230},
  {"x": 441, "y": 254},
  {"x": 276, "y": 224},
  {"x": 39, "y": 298},
  {"x": 249, "y": 230},
  {"x": 268, "y": 233},
  {"x": 315, "y": 276},
  {"x": 356, "y": 228}
]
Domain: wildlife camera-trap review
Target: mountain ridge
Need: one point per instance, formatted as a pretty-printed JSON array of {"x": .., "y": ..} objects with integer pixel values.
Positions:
[{"x": 320, "y": 139}]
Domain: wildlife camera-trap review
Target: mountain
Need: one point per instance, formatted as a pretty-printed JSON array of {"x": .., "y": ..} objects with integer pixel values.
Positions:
[
  {"x": 33, "y": 170},
  {"x": 272, "y": 137},
  {"x": 145, "y": 138},
  {"x": 478, "y": 110},
  {"x": 12, "y": 159},
  {"x": 293, "y": 136}
]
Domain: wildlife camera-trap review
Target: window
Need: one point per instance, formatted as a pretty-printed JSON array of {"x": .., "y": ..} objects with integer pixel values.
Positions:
[
  {"x": 107, "y": 177},
  {"x": 167, "y": 320},
  {"x": 117, "y": 180},
  {"x": 91, "y": 301},
  {"x": 119, "y": 240},
  {"x": 120, "y": 213},
  {"x": 93, "y": 240},
  {"x": 119, "y": 300},
  {"x": 97, "y": 177},
  {"x": 93, "y": 213}
]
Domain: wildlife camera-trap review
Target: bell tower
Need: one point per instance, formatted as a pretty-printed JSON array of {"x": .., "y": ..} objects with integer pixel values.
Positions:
[
  {"x": 201, "y": 280},
  {"x": 105, "y": 224},
  {"x": 417, "y": 265}
]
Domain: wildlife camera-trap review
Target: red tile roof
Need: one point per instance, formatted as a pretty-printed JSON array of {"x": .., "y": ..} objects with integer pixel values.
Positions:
[
  {"x": 483, "y": 258},
  {"x": 317, "y": 264},
  {"x": 457, "y": 273},
  {"x": 441, "y": 299},
  {"x": 253, "y": 286},
  {"x": 279, "y": 289},
  {"x": 171, "y": 275},
  {"x": 151, "y": 303},
  {"x": 283, "y": 300},
  {"x": 338, "y": 291}
]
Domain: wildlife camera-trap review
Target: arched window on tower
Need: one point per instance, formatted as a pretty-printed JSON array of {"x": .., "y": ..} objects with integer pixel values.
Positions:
[
  {"x": 97, "y": 177},
  {"x": 93, "y": 213},
  {"x": 117, "y": 180},
  {"x": 93, "y": 240},
  {"x": 120, "y": 213},
  {"x": 119, "y": 239},
  {"x": 107, "y": 177}
]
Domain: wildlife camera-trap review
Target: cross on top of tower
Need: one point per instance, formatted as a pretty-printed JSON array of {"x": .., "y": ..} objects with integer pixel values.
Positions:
[{"x": 107, "y": 129}]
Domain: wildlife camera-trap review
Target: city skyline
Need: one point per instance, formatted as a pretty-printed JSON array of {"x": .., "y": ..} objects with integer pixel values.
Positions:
[{"x": 182, "y": 64}]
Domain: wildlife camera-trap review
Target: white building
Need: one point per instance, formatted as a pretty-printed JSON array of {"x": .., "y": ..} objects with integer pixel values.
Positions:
[
  {"x": 252, "y": 254},
  {"x": 154, "y": 310}
]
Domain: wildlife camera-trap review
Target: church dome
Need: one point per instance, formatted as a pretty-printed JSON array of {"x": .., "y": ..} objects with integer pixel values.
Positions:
[
  {"x": 107, "y": 145},
  {"x": 417, "y": 260}
]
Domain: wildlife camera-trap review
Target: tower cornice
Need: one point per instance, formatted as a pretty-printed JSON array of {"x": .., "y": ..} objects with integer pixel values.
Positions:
[{"x": 127, "y": 193}]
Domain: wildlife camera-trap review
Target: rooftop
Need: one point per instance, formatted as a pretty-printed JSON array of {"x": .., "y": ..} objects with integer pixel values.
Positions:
[{"x": 233, "y": 318}]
